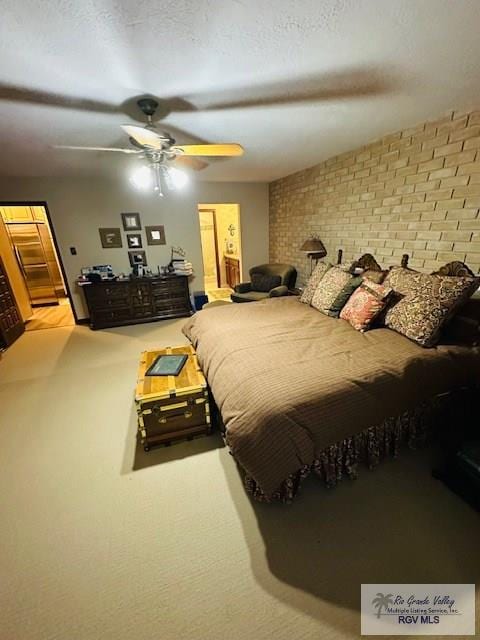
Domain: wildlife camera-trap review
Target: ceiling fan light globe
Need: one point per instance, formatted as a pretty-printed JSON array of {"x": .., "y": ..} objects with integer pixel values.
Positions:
[
  {"x": 179, "y": 179},
  {"x": 142, "y": 178}
]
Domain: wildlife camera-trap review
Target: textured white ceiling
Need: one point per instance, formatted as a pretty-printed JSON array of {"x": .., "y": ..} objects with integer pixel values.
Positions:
[{"x": 329, "y": 75}]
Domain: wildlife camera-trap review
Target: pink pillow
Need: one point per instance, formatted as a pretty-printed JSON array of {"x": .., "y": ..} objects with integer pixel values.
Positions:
[{"x": 365, "y": 304}]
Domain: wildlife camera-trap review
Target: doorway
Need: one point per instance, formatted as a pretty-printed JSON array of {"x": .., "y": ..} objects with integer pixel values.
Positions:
[
  {"x": 221, "y": 249},
  {"x": 32, "y": 244}
]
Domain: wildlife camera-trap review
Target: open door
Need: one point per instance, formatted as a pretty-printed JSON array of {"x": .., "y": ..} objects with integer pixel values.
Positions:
[
  {"x": 14, "y": 275},
  {"x": 34, "y": 266},
  {"x": 221, "y": 248}
]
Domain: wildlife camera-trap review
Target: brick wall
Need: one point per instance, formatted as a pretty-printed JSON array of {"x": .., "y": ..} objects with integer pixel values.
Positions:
[{"x": 415, "y": 191}]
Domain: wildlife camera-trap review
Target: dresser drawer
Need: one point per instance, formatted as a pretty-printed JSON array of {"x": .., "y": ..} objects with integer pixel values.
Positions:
[
  {"x": 104, "y": 318},
  {"x": 168, "y": 288},
  {"x": 171, "y": 304},
  {"x": 105, "y": 304},
  {"x": 108, "y": 291}
]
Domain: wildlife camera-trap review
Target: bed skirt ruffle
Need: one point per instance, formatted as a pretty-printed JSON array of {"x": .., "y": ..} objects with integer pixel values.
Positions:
[{"x": 412, "y": 428}]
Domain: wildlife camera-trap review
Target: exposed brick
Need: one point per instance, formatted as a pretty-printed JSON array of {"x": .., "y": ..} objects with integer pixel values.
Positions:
[
  {"x": 439, "y": 194},
  {"x": 461, "y": 214},
  {"x": 448, "y": 149},
  {"x": 458, "y": 159},
  {"x": 444, "y": 256},
  {"x": 457, "y": 236},
  {"x": 473, "y": 247},
  {"x": 464, "y": 134},
  {"x": 442, "y": 173},
  {"x": 472, "y": 143},
  {"x": 431, "y": 165},
  {"x": 457, "y": 181},
  {"x": 428, "y": 235},
  {"x": 416, "y": 191}
]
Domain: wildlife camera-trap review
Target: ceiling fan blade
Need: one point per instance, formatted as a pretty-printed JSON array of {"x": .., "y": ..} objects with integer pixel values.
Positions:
[
  {"x": 66, "y": 146},
  {"x": 13, "y": 93},
  {"x": 356, "y": 82},
  {"x": 225, "y": 149},
  {"x": 145, "y": 137},
  {"x": 191, "y": 163}
]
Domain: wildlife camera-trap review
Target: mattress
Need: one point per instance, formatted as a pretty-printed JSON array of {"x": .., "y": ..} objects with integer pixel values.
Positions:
[{"x": 290, "y": 381}]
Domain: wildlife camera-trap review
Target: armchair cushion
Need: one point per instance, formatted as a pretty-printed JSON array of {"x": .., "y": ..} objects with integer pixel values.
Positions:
[
  {"x": 243, "y": 287},
  {"x": 263, "y": 282},
  {"x": 250, "y": 296},
  {"x": 276, "y": 292}
]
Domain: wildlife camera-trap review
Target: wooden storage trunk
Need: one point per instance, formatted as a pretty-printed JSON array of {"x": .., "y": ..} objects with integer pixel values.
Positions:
[{"x": 171, "y": 407}]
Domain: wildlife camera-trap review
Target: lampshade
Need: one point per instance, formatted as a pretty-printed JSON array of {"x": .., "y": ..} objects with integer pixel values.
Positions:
[{"x": 314, "y": 245}]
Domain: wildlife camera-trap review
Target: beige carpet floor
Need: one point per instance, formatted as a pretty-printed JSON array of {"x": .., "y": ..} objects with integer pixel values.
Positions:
[{"x": 99, "y": 540}]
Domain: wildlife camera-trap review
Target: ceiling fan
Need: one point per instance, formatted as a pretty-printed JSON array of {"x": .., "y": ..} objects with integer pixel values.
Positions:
[{"x": 159, "y": 147}]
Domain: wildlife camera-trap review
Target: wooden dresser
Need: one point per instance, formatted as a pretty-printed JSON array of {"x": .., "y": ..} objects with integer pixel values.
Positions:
[{"x": 121, "y": 302}]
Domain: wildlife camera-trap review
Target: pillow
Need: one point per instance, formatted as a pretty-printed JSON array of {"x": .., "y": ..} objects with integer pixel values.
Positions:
[
  {"x": 422, "y": 303},
  {"x": 317, "y": 274},
  {"x": 333, "y": 290},
  {"x": 265, "y": 283},
  {"x": 375, "y": 276},
  {"x": 365, "y": 304}
]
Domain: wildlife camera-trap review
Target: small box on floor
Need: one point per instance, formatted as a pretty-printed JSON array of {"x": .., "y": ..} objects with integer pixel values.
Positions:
[{"x": 171, "y": 407}]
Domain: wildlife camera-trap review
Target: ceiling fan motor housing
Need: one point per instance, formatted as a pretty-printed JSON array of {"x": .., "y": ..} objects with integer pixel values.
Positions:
[{"x": 148, "y": 106}]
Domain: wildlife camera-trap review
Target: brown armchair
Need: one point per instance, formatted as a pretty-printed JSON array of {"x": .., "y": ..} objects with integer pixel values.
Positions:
[{"x": 267, "y": 281}]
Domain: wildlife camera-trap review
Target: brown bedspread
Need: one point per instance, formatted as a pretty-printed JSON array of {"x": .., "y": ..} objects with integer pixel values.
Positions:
[{"x": 290, "y": 381}]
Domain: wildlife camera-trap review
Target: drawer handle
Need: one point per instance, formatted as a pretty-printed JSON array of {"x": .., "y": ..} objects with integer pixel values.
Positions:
[{"x": 186, "y": 415}]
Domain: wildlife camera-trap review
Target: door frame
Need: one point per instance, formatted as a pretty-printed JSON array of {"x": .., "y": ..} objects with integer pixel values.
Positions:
[
  {"x": 217, "y": 263},
  {"x": 43, "y": 203}
]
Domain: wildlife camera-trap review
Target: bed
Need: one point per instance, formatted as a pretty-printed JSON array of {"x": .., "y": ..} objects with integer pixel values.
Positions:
[{"x": 301, "y": 392}]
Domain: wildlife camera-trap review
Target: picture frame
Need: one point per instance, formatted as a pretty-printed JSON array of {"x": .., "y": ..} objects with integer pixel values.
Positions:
[
  {"x": 155, "y": 234},
  {"x": 134, "y": 240},
  {"x": 137, "y": 257},
  {"x": 110, "y": 237},
  {"x": 131, "y": 221}
]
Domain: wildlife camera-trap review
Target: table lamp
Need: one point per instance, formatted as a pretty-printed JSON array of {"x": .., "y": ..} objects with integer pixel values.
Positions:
[{"x": 315, "y": 249}]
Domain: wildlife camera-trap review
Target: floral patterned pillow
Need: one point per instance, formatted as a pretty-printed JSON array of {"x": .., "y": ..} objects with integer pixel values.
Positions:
[
  {"x": 333, "y": 291},
  {"x": 317, "y": 274},
  {"x": 422, "y": 303},
  {"x": 365, "y": 304}
]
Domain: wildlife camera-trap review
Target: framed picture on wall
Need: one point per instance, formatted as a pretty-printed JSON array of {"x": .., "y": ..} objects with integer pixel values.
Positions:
[
  {"x": 137, "y": 257},
  {"x": 131, "y": 221},
  {"x": 155, "y": 235},
  {"x": 134, "y": 240},
  {"x": 110, "y": 237}
]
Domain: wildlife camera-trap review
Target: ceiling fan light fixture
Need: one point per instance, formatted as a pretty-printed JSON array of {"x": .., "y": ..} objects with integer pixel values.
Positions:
[
  {"x": 142, "y": 178},
  {"x": 179, "y": 179}
]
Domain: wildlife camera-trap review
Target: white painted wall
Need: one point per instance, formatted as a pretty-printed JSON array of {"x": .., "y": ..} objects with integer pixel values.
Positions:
[{"x": 79, "y": 206}]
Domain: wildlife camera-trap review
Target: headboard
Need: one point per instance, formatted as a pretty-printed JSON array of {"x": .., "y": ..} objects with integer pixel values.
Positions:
[{"x": 367, "y": 261}]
